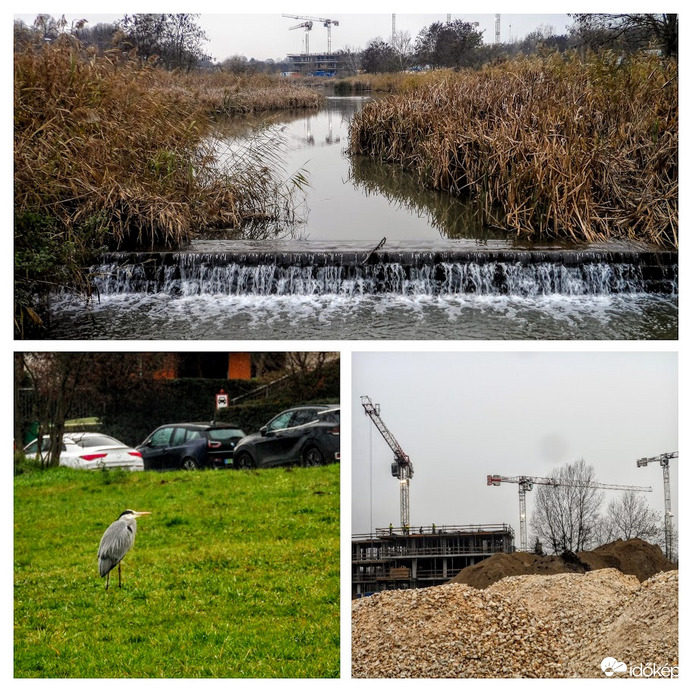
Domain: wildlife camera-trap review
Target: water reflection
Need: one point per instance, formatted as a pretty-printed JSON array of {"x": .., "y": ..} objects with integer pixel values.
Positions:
[
  {"x": 450, "y": 216},
  {"x": 353, "y": 198}
]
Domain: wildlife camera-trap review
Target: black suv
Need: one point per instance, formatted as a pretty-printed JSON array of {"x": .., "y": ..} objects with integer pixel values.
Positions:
[
  {"x": 190, "y": 446},
  {"x": 305, "y": 435}
]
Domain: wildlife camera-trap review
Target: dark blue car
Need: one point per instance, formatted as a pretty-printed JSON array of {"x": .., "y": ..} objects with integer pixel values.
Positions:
[
  {"x": 305, "y": 435},
  {"x": 190, "y": 446}
]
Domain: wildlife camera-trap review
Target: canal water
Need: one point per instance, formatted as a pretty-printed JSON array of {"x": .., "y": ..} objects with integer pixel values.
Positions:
[{"x": 436, "y": 275}]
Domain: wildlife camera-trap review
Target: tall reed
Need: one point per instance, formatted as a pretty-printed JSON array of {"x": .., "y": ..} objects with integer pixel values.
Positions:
[
  {"x": 110, "y": 152},
  {"x": 585, "y": 150}
]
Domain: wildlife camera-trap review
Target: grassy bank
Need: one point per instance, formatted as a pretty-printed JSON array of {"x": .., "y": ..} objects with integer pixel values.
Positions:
[
  {"x": 546, "y": 147},
  {"x": 112, "y": 153},
  {"x": 233, "y": 575}
]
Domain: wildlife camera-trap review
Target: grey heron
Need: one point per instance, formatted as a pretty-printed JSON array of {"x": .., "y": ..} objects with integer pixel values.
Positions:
[{"x": 118, "y": 538}]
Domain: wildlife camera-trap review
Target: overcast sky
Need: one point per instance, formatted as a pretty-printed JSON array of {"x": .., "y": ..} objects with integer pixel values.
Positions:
[
  {"x": 462, "y": 416},
  {"x": 268, "y": 35}
]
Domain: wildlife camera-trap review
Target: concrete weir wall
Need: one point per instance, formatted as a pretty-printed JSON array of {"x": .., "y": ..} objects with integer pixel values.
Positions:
[
  {"x": 416, "y": 258},
  {"x": 469, "y": 271}
]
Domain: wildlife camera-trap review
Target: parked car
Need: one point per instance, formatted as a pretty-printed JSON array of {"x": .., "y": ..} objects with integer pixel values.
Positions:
[
  {"x": 89, "y": 450},
  {"x": 305, "y": 435},
  {"x": 190, "y": 446}
]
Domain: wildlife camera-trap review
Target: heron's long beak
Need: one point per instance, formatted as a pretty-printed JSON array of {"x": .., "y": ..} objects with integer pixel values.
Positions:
[{"x": 141, "y": 514}]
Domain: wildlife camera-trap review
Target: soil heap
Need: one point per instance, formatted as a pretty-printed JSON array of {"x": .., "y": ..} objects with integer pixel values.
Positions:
[
  {"x": 539, "y": 626},
  {"x": 635, "y": 556}
]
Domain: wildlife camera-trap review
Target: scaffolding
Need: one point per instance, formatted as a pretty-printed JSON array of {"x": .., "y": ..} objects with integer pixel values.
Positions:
[{"x": 414, "y": 557}]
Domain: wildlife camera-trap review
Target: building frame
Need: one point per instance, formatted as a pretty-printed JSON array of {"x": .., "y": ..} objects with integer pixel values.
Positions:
[
  {"x": 314, "y": 64},
  {"x": 417, "y": 557}
]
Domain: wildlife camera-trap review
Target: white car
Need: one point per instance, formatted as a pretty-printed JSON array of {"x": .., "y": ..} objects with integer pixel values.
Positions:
[{"x": 90, "y": 450}]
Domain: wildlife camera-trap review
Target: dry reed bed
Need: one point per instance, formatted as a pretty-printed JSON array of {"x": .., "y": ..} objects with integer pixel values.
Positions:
[
  {"x": 225, "y": 94},
  {"x": 554, "y": 147},
  {"x": 392, "y": 82},
  {"x": 107, "y": 144},
  {"x": 112, "y": 153}
]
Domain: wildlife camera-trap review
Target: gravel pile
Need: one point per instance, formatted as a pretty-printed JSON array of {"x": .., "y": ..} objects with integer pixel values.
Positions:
[{"x": 550, "y": 626}]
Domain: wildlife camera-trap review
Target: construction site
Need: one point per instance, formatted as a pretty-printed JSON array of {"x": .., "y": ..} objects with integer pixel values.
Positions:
[
  {"x": 305, "y": 63},
  {"x": 330, "y": 63},
  {"x": 466, "y": 601},
  {"x": 411, "y": 558}
]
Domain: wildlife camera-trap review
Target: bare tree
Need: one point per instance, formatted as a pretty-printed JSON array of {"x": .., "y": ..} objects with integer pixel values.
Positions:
[
  {"x": 349, "y": 58},
  {"x": 47, "y": 26},
  {"x": 55, "y": 377},
  {"x": 629, "y": 31},
  {"x": 60, "y": 380},
  {"x": 631, "y": 517},
  {"x": 566, "y": 515},
  {"x": 19, "y": 371},
  {"x": 403, "y": 47},
  {"x": 176, "y": 39},
  {"x": 308, "y": 369}
]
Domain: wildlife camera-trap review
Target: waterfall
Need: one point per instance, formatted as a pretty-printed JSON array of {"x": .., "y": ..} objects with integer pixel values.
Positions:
[{"x": 405, "y": 274}]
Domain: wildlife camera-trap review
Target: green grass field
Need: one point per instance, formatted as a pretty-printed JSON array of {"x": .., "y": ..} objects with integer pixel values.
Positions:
[{"x": 234, "y": 574}]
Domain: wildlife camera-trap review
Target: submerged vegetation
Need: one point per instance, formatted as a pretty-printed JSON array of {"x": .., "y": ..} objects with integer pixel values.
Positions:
[
  {"x": 111, "y": 152},
  {"x": 564, "y": 147}
]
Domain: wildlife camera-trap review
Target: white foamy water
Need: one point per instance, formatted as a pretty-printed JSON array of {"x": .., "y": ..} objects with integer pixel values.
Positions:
[{"x": 367, "y": 316}]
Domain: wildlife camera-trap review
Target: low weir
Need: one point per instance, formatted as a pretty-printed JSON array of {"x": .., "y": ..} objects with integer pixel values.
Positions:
[{"x": 400, "y": 272}]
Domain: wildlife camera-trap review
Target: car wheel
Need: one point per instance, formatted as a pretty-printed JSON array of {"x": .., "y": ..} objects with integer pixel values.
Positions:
[
  {"x": 243, "y": 461},
  {"x": 312, "y": 456},
  {"x": 188, "y": 464}
]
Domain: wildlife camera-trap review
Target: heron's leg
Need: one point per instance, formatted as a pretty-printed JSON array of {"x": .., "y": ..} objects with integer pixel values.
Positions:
[{"x": 120, "y": 585}]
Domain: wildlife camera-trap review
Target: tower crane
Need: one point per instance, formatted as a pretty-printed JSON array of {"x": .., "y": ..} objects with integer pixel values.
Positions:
[
  {"x": 526, "y": 483},
  {"x": 664, "y": 460},
  {"x": 308, "y": 28},
  {"x": 327, "y": 23},
  {"x": 402, "y": 468}
]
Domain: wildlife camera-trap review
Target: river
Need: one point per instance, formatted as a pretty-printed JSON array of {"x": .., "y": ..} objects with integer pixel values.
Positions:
[{"x": 294, "y": 283}]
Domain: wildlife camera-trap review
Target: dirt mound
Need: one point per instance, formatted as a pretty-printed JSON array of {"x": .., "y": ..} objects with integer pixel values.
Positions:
[
  {"x": 635, "y": 557},
  {"x": 554, "y": 626}
]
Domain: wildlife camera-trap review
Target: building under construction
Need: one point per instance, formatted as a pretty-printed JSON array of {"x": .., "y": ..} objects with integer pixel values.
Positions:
[
  {"x": 415, "y": 557},
  {"x": 314, "y": 64}
]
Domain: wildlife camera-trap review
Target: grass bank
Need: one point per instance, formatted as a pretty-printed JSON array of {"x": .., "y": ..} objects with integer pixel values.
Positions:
[
  {"x": 233, "y": 575},
  {"x": 557, "y": 146},
  {"x": 109, "y": 152}
]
